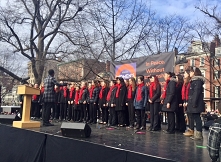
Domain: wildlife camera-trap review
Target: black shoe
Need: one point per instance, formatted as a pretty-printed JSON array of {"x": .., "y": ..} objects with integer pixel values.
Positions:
[
  {"x": 143, "y": 128},
  {"x": 167, "y": 132},
  {"x": 48, "y": 124}
]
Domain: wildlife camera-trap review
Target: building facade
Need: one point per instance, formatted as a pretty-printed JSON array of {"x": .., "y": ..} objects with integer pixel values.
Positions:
[
  {"x": 205, "y": 56},
  {"x": 82, "y": 69}
]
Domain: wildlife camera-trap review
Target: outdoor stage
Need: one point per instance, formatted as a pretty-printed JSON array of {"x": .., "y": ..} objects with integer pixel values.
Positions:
[{"x": 47, "y": 144}]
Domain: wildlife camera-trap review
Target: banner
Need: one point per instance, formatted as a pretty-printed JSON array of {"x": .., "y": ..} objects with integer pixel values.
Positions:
[{"x": 147, "y": 66}]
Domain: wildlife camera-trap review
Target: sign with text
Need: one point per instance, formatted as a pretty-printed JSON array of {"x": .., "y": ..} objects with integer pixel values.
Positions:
[
  {"x": 125, "y": 71},
  {"x": 147, "y": 66}
]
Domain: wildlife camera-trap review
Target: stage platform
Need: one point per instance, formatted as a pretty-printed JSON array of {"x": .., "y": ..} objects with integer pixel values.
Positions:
[{"x": 119, "y": 144}]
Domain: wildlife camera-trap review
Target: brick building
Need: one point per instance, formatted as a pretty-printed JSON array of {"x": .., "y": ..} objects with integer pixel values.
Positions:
[
  {"x": 207, "y": 57},
  {"x": 82, "y": 69}
]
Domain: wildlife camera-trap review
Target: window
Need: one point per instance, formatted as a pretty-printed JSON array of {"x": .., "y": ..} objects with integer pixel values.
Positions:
[
  {"x": 181, "y": 68},
  {"x": 217, "y": 91},
  {"x": 217, "y": 62},
  {"x": 192, "y": 63},
  {"x": 202, "y": 61},
  {"x": 216, "y": 75}
]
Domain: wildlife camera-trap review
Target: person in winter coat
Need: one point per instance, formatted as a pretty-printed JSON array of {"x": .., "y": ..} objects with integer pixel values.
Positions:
[
  {"x": 49, "y": 96},
  {"x": 195, "y": 104},
  {"x": 63, "y": 100},
  {"x": 56, "y": 109},
  {"x": 185, "y": 94},
  {"x": 83, "y": 96},
  {"x": 180, "y": 120},
  {"x": 169, "y": 100},
  {"x": 41, "y": 100},
  {"x": 154, "y": 102},
  {"x": 93, "y": 101},
  {"x": 111, "y": 103},
  {"x": 77, "y": 109},
  {"x": 35, "y": 109},
  {"x": 140, "y": 101},
  {"x": 131, "y": 90},
  {"x": 71, "y": 101},
  {"x": 120, "y": 100},
  {"x": 127, "y": 122},
  {"x": 103, "y": 100}
]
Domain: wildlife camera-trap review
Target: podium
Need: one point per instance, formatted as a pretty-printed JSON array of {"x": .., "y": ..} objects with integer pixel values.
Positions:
[{"x": 27, "y": 92}]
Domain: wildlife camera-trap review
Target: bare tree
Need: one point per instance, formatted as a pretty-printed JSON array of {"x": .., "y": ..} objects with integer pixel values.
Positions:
[
  {"x": 169, "y": 33},
  {"x": 10, "y": 62},
  {"x": 119, "y": 27},
  {"x": 34, "y": 29}
]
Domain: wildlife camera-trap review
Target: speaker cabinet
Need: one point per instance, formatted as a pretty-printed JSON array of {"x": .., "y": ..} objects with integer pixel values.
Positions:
[{"x": 75, "y": 130}]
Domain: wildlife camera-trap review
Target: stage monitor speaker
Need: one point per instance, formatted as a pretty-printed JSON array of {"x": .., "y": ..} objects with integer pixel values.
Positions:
[
  {"x": 7, "y": 119},
  {"x": 75, "y": 130}
]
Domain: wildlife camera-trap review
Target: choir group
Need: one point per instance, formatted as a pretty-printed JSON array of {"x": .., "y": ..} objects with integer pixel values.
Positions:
[{"x": 123, "y": 103}]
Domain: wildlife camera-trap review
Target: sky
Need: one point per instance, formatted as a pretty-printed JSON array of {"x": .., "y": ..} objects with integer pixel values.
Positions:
[{"x": 185, "y": 8}]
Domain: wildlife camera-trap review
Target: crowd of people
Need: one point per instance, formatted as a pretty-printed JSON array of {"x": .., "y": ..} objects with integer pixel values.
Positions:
[{"x": 123, "y": 103}]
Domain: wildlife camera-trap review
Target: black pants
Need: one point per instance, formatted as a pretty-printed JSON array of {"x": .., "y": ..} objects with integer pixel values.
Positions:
[
  {"x": 70, "y": 106},
  {"x": 57, "y": 110},
  {"x": 171, "y": 121},
  {"x": 113, "y": 116},
  {"x": 141, "y": 118},
  {"x": 63, "y": 111},
  {"x": 77, "y": 115},
  {"x": 127, "y": 122},
  {"x": 197, "y": 119},
  {"x": 47, "y": 111},
  {"x": 154, "y": 115},
  {"x": 91, "y": 112},
  {"x": 35, "y": 109},
  {"x": 191, "y": 121},
  {"x": 32, "y": 110},
  {"x": 131, "y": 113},
  {"x": 53, "y": 112},
  {"x": 73, "y": 112},
  {"x": 180, "y": 120},
  {"x": 95, "y": 109},
  {"x": 104, "y": 114},
  {"x": 83, "y": 112},
  {"x": 88, "y": 117},
  {"x": 77, "y": 112},
  {"x": 121, "y": 117}
]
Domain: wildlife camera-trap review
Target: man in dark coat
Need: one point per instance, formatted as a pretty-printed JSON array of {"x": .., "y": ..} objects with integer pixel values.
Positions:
[
  {"x": 49, "y": 96},
  {"x": 169, "y": 100}
]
